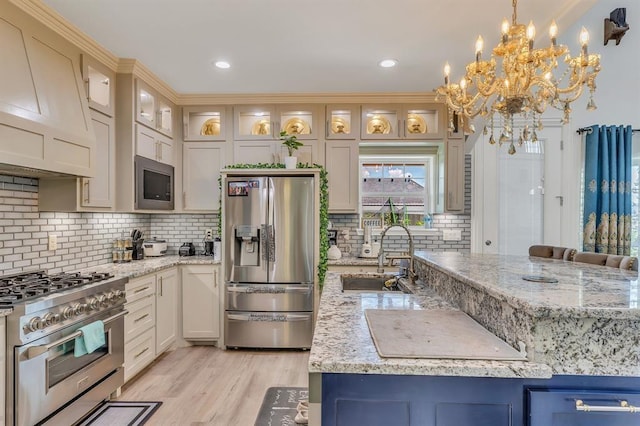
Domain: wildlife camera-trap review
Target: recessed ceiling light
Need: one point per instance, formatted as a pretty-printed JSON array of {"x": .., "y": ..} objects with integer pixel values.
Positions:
[
  {"x": 222, "y": 65},
  {"x": 388, "y": 63}
]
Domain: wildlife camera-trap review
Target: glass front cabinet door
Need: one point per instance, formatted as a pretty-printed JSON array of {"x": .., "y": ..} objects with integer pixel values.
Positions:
[
  {"x": 146, "y": 105},
  {"x": 343, "y": 121},
  {"x": 266, "y": 122},
  {"x": 205, "y": 123},
  {"x": 99, "y": 81},
  {"x": 164, "y": 117},
  {"x": 402, "y": 121}
]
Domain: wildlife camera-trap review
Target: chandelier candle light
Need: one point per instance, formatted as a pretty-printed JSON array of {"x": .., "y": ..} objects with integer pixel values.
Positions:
[{"x": 522, "y": 84}]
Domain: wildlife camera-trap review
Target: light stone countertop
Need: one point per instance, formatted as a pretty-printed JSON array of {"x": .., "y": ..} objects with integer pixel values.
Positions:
[
  {"x": 342, "y": 342},
  {"x": 138, "y": 268},
  {"x": 149, "y": 265},
  {"x": 582, "y": 289},
  {"x": 587, "y": 323}
]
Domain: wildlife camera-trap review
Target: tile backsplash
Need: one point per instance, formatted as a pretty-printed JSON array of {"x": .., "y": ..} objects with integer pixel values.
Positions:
[{"x": 84, "y": 239}]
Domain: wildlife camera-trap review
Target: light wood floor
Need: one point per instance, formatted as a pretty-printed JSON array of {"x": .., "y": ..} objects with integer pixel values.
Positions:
[{"x": 203, "y": 385}]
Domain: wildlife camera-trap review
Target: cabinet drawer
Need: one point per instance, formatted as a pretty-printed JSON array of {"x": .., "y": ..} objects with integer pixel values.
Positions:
[
  {"x": 139, "y": 353},
  {"x": 560, "y": 407},
  {"x": 140, "y": 288},
  {"x": 141, "y": 316}
]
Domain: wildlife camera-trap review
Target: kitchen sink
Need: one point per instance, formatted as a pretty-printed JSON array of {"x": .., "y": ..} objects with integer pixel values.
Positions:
[{"x": 366, "y": 283}]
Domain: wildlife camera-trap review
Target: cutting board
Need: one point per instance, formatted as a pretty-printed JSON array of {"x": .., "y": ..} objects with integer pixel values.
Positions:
[{"x": 436, "y": 333}]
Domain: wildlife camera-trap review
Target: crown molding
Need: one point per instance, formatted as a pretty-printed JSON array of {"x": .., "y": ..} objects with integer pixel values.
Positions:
[
  {"x": 51, "y": 19},
  {"x": 287, "y": 98},
  {"x": 138, "y": 69}
]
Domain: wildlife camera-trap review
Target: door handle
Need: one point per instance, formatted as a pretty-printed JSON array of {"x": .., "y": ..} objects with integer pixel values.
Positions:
[
  {"x": 561, "y": 198},
  {"x": 624, "y": 407},
  {"x": 35, "y": 351}
]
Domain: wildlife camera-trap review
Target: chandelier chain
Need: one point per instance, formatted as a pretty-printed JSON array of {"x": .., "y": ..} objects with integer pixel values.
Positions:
[{"x": 514, "y": 16}]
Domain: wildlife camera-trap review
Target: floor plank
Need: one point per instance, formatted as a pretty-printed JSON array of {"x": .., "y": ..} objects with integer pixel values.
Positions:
[{"x": 203, "y": 385}]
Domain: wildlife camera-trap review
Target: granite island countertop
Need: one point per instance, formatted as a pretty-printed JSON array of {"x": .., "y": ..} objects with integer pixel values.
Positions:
[
  {"x": 586, "y": 323},
  {"x": 342, "y": 342}
]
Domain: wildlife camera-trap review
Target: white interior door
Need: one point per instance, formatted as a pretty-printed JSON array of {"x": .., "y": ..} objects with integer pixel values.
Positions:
[{"x": 517, "y": 199}]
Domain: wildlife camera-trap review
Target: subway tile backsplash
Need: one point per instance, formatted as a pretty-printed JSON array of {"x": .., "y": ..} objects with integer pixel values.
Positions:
[{"x": 85, "y": 239}]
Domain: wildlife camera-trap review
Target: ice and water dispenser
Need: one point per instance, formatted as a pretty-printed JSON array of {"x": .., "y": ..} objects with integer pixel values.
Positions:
[{"x": 247, "y": 245}]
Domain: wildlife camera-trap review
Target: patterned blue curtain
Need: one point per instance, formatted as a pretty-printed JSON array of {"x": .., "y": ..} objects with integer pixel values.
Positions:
[{"x": 607, "y": 190}]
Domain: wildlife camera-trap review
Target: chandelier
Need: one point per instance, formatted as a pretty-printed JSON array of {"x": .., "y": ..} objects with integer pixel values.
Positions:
[{"x": 518, "y": 79}]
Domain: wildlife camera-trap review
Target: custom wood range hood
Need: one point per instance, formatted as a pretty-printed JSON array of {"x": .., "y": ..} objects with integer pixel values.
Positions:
[{"x": 45, "y": 127}]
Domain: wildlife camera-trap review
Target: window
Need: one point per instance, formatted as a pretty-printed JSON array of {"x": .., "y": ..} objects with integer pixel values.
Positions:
[{"x": 399, "y": 187}]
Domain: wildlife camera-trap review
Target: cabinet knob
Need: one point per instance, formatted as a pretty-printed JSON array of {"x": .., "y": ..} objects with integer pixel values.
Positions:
[{"x": 487, "y": 243}]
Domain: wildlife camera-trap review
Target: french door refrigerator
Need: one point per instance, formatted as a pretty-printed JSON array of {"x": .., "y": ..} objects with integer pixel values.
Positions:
[{"x": 269, "y": 261}]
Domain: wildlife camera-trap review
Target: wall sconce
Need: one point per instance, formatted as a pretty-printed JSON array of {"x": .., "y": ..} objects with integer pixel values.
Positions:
[{"x": 616, "y": 25}]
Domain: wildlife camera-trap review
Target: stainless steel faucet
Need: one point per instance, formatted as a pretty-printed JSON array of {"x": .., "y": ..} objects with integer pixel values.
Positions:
[{"x": 411, "y": 274}]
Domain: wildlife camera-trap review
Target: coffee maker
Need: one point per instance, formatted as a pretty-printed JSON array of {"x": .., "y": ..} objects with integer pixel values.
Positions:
[{"x": 138, "y": 249}]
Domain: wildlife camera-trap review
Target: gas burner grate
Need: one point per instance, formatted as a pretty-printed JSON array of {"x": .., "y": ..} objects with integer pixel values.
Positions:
[{"x": 31, "y": 285}]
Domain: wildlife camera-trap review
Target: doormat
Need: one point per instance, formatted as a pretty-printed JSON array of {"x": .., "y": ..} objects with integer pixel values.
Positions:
[
  {"x": 279, "y": 406},
  {"x": 111, "y": 413}
]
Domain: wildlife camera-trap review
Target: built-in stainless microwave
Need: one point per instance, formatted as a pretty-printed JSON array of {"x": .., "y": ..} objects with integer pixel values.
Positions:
[{"x": 154, "y": 184}]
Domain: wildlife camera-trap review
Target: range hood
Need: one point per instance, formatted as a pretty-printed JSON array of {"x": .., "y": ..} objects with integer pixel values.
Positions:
[{"x": 45, "y": 126}]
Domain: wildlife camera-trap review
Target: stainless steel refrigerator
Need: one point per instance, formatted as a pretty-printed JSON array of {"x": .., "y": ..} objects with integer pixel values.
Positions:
[{"x": 269, "y": 229}]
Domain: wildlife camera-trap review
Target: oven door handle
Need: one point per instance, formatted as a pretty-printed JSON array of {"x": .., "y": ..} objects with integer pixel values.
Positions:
[{"x": 35, "y": 351}]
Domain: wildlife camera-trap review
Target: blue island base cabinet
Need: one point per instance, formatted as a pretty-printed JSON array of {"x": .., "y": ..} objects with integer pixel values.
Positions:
[
  {"x": 383, "y": 400},
  {"x": 360, "y": 399}
]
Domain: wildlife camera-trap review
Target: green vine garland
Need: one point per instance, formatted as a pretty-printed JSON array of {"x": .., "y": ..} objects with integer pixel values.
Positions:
[{"x": 324, "y": 207}]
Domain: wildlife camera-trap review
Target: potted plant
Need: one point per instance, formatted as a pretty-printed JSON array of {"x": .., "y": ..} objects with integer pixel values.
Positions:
[{"x": 292, "y": 143}]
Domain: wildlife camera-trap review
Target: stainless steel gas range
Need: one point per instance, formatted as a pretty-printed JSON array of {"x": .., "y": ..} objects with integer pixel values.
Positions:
[{"x": 46, "y": 382}]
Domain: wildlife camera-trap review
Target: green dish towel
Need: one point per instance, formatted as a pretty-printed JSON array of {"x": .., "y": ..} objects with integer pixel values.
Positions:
[{"x": 92, "y": 338}]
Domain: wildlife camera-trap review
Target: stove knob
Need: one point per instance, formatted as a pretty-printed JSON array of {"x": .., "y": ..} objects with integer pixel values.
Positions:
[
  {"x": 36, "y": 324},
  {"x": 79, "y": 308},
  {"x": 67, "y": 312},
  {"x": 50, "y": 318},
  {"x": 110, "y": 297},
  {"x": 102, "y": 301},
  {"x": 120, "y": 294},
  {"x": 93, "y": 303}
]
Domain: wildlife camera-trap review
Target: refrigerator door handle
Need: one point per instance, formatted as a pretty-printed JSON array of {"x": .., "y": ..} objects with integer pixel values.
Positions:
[{"x": 264, "y": 243}]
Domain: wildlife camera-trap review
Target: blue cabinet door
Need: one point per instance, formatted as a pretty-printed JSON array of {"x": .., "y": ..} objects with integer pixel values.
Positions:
[{"x": 561, "y": 407}]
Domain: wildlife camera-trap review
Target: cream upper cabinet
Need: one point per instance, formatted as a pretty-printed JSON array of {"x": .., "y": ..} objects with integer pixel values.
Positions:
[
  {"x": 267, "y": 121},
  {"x": 402, "y": 121},
  {"x": 44, "y": 115},
  {"x": 153, "y": 145},
  {"x": 342, "y": 121},
  {"x": 201, "y": 164},
  {"x": 454, "y": 200},
  {"x": 86, "y": 194},
  {"x": 202, "y": 123},
  {"x": 153, "y": 110},
  {"x": 99, "y": 191},
  {"x": 342, "y": 167},
  {"x": 100, "y": 85}
]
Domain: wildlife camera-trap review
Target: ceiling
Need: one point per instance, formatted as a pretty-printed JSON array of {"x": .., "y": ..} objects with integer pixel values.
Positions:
[{"x": 304, "y": 46}]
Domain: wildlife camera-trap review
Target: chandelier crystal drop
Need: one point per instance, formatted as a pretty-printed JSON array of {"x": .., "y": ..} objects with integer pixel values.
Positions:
[{"x": 519, "y": 79}]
